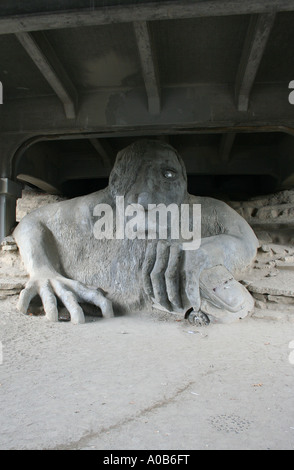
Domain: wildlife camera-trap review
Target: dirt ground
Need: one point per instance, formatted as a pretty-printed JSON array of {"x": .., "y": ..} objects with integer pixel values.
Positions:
[{"x": 144, "y": 383}]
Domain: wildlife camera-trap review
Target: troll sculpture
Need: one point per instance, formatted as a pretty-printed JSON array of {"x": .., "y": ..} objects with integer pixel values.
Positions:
[{"x": 68, "y": 263}]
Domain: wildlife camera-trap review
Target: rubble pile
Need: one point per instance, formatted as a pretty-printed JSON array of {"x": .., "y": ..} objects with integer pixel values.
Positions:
[
  {"x": 12, "y": 273},
  {"x": 271, "y": 282},
  {"x": 32, "y": 200},
  {"x": 271, "y": 217}
]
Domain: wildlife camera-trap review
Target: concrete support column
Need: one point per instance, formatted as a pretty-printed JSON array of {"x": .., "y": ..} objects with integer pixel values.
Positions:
[{"x": 9, "y": 193}]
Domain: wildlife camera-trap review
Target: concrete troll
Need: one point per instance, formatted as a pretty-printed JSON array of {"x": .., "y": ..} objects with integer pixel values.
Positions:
[{"x": 68, "y": 263}]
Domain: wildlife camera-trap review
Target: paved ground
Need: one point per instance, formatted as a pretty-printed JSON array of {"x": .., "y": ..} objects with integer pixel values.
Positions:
[{"x": 144, "y": 383}]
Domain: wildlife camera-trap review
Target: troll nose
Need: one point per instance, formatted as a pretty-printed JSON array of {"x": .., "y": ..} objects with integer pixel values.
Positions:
[{"x": 144, "y": 199}]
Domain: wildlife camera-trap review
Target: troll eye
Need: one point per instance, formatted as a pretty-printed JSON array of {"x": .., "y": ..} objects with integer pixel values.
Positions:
[{"x": 169, "y": 174}]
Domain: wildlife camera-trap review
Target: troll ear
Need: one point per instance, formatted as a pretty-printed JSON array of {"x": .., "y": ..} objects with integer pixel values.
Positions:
[
  {"x": 113, "y": 179},
  {"x": 117, "y": 173},
  {"x": 125, "y": 169},
  {"x": 113, "y": 183}
]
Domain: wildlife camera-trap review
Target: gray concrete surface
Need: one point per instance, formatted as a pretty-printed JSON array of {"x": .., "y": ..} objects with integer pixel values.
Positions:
[{"x": 139, "y": 382}]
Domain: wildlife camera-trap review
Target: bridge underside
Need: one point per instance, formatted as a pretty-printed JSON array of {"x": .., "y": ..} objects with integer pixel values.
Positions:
[{"x": 82, "y": 79}]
